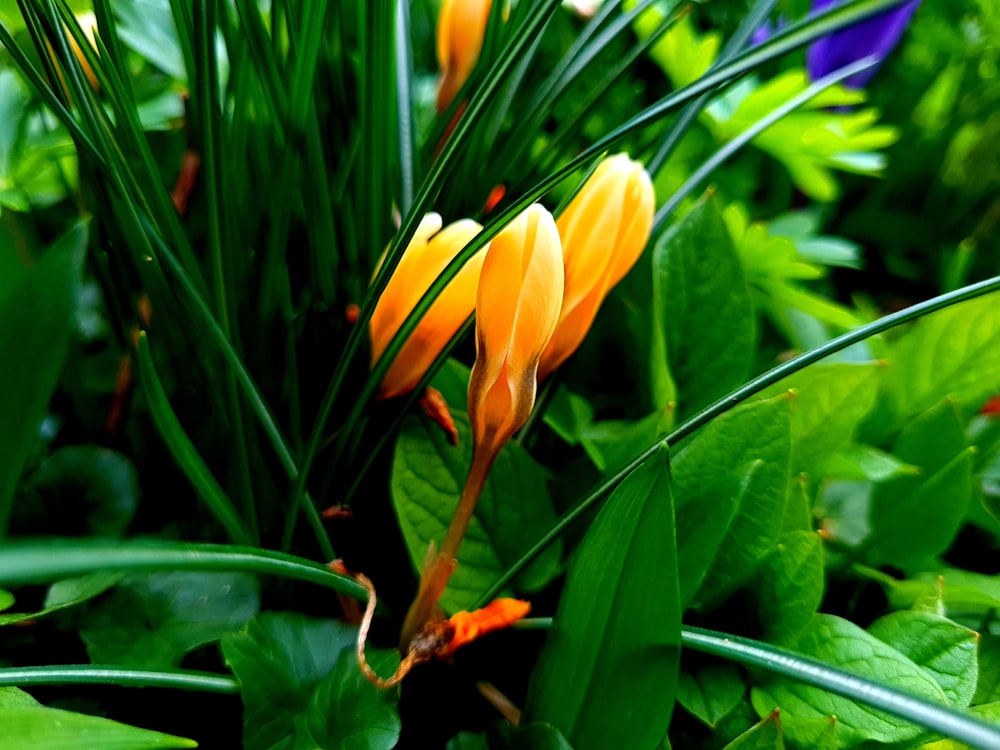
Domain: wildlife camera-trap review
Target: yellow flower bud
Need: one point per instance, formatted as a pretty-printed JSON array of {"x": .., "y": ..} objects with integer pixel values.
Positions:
[
  {"x": 520, "y": 293},
  {"x": 460, "y": 32},
  {"x": 603, "y": 231},
  {"x": 428, "y": 253}
]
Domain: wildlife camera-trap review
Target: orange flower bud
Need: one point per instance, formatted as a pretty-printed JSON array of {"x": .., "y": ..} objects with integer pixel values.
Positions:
[
  {"x": 520, "y": 292},
  {"x": 460, "y": 32},
  {"x": 428, "y": 253},
  {"x": 603, "y": 231}
]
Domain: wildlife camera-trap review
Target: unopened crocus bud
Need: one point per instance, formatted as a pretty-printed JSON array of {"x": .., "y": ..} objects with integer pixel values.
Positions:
[
  {"x": 460, "y": 32},
  {"x": 520, "y": 294},
  {"x": 427, "y": 255},
  {"x": 603, "y": 232},
  {"x": 876, "y": 36}
]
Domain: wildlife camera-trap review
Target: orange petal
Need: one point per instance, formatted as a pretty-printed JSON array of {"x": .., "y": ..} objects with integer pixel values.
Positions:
[
  {"x": 460, "y": 32},
  {"x": 497, "y": 615}
]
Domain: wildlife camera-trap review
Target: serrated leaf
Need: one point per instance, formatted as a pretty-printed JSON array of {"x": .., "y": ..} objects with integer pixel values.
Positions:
[
  {"x": 954, "y": 352},
  {"x": 153, "y": 619},
  {"x": 842, "y": 644},
  {"x": 711, "y": 692},
  {"x": 51, "y": 729},
  {"x": 828, "y": 402},
  {"x": 513, "y": 511},
  {"x": 755, "y": 432},
  {"x": 765, "y": 735},
  {"x": 607, "y": 674},
  {"x": 789, "y": 585},
  {"x": 701, "y": 308},
  {"x": 282, "y": 660},
  {"x": 945, "y": 649},
  {"x": 35, "y": 322}
]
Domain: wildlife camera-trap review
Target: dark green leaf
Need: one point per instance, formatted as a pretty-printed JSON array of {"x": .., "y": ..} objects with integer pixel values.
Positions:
[
  {"x": 427, "y": 477},
  {"x": 35, "y": 322},
  {"x": 152, "y": 620},
  {"x": 289, "y": 668},
  {"x": 945, "y": 649},
  {"x": 609, "y": 668},
  {"x": 51, "y": 729},
  {"x": 348, "y": 711},
  {"x": 6, "y": 600},
  {"x": 842, "y": 644},
  {"x": 755, "y": 432},
  {"x": 68, "y": 593},
  {"x": 789, "y": 585},
  {"x": 766, "y": 735},
  {"x": 702, "y": 309},
  {"x": 916, "y": 517},
  {"x": 710, "y": 693},
  {"x": 612, "y": 444},
  {"x": 503, "y": 736},
  {"x": 988, "y": 685},
  {"x": 568, "y": 415}
]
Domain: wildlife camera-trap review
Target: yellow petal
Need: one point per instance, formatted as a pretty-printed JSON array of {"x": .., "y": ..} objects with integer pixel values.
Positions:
[{"x": 460, "y": 32}]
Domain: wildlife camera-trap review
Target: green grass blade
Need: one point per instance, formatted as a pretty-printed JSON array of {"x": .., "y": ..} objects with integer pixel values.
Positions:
[
  {"x": 99, "y": 674},
  {"x": 184, "y": 451}
]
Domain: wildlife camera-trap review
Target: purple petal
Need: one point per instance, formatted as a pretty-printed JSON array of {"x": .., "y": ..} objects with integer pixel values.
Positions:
[{"x": 875, "y": 36}]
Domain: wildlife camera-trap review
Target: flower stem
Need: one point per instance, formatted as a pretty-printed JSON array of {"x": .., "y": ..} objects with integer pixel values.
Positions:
[{"x": 439, "y": 565}]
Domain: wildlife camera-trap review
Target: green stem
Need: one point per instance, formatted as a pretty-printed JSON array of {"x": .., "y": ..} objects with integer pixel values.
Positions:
[
  {"x": 38, "y": 562},
  {"x": 98, "y": 674}
]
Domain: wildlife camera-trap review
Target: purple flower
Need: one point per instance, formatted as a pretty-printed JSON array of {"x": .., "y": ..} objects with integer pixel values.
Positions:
[{"x": 876, "y": 35}]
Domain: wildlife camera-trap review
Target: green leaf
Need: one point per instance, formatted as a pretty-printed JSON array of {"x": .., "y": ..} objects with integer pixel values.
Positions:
[
  {"x": 612, "y": 444},
  {"x": 152, "y": 620},
  {"x": 916, "y": 517},
  {"x": 766, "y": 735},
  {"x": 51, "y": 729},
  {"x": 842, "y": 644},
  {"x": 12, "y": 697},
  {"x": 710, "y": 693},
  {"x": 859, "y": 462},
  {"x": 789, "y": 585},
  {"x": 35, "y": 323},
  {"x": 945, "y": 649},
  {"x": 568, "y": 415},
  {"x": 6, "y": 601},
  {"x": 68, "y": 593},
  {"x": 828, "y": 402},
  {"x": 988, "y": 685},
  {"x": 289, "y": 667},
  {"x": 503, "y": 736},
  {"x": 608, "y": 672},
  {"x": 750, "y": 433},
  {"x": 427, "y": 477},
  {"x": 954, "y": 352},
  {"x": 348, "y": 711},
  {"x": 701, "y": 308}
]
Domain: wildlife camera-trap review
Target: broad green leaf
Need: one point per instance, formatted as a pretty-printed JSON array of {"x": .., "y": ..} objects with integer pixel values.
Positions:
[
  {"x": 42, "y": 728},
  {"x": 988, "y": 685},
  {"x": 503, "y": 736},
  {"x": 844, "y": 645},
  {"x": 916, "y": 517},
  {"x": 765, "y": 735},
  {"x": 828, "y": 402},
  {"x": 79, "y": 489},
  {"x": 6, "y": 600},
  {"x": 957, "y": 592},
  {"x": 147, "y": 26},
  {"x": 153, "y": 619},
  {"x": 348, "y": 711},
  {"x": 289, "y": 669},
  {"x": 711, "y": 692},
  {"x": 608, "y": 672},
  {"x": 859, "y": 462},
  {"x": 568, "y": 415},
  {"x": 750, "y": 433},
  {"x": 67, "y": 593},
  {"x": 702, "y": 522},
  {"x": 35, "y": 323},
  {"x": 701, "y": 308},
  {"x": 789, "y": 585},
  {"x": 945, "y": 649},
  {"x": 514, "y": 510},
  {"x": 12, "y": 697},
  {"x": 954, "y": 352}
]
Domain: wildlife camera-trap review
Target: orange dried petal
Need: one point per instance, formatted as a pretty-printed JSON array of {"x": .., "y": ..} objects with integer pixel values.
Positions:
[{"x": 497, "y": 615}]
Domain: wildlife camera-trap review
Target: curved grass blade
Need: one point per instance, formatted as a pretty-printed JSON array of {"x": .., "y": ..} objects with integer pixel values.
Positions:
[{"x": 98, "y": 674}]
